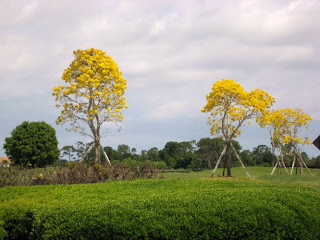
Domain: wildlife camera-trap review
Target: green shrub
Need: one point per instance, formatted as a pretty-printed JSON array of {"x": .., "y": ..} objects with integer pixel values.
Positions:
[
  {"x": 74, "y": 173},
  {"x": 161, "y": 209}
]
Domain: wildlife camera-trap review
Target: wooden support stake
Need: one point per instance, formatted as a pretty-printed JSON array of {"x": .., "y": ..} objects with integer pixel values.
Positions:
[
  {"x": 275, "y": 166},
  {"x": 305, "y": 165},
  {"x": 87, "y": 152},
  {"x": 221, "y": 155},
  {"x": 234, "y": 150},
  {"x": 106, "y": 156},
  {"x": 294, "y": 161}
]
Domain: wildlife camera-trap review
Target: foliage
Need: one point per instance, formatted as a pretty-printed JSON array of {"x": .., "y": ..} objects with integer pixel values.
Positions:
[
  {"x": 73, "y": 173},
  {"x": 32, "y": 144},
  {"x": 230, "y": 106},
  {"x": 161, "y": 209},
  {"x": 262, "y": 155},
  {"x": 284, "y": 126},
  {"x": 93, "y": 94}
]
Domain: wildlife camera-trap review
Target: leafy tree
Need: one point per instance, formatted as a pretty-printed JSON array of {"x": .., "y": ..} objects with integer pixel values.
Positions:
[
  {"x": 92, "y": 94},
  {"x": 69, "y": 151},
  {"x": 230, "y": 106},
  {"x": 262, "y": 155},
  {"x": 32, "y": 144},
  {"x": 285, "y": 127},
  {"x": 209, "y": 150},
  {"x": 153, "y": 154},
  {"x": 315, "y": 162},
  {"x": 143, "y": 155},
  {"x": 112, "y": 153},
  {"x": 246, "y": 157},
  {"x": 124, "y": 151},
  {"x": 178, "y": 155}
]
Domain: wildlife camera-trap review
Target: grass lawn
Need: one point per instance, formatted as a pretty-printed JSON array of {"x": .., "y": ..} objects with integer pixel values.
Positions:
[{"x": 257, "y": 173}]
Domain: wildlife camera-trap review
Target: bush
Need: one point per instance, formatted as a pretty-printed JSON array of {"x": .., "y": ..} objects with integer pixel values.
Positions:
[
  {"x": 32, "y": 144},
  {"x": 161, "y": 209},
  {"x": 73, "y": 173}
]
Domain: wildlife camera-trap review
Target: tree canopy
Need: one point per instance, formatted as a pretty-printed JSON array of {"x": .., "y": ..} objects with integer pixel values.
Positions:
[
  {"x": 229, "y": 106},
  {"x": 32, "y": 144},
  {"x": 92, "y": 95},
  {"x": 285, "y": 127}
]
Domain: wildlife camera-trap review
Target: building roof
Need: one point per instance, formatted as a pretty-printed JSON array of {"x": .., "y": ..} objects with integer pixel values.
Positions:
[{"x": 5, "y": 158}]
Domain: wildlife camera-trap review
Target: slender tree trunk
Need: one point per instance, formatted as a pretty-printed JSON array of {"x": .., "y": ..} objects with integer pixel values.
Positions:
[
  {"x": 279, "y": 169},
  {"x": 228, "y": 160},
  {"x": 224, "y": 165},
  {"x": 97, "y": 151},
  {"x": 300, "y": 165}
]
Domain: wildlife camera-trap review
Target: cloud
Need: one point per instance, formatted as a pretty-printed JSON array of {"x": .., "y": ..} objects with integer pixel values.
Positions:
[
  {"x": 170, "y": 110},
  {"x": 27, "y": 12},
  {"x": 170, "y": 52}
]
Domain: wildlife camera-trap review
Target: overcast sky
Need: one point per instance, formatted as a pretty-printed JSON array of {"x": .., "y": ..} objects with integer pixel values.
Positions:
[{"x": 170, "y": 53}]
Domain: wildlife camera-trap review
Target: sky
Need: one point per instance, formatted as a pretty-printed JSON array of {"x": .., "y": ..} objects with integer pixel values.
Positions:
[{"x": 170, "y": 53}]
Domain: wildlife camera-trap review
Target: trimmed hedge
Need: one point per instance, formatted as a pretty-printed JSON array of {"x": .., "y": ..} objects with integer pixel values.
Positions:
[{"x": 161, "y": 209}]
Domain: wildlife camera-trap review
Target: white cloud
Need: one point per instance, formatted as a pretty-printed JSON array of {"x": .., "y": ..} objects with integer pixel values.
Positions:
[
  {"x": 170, "y": 52},
  {"x": 170, "y": 110},
  {"x": 27, "y": 12}
]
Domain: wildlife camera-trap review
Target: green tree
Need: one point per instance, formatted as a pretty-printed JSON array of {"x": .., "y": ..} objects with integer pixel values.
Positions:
[
  {"x": 32, "y": 144},
  {"x": 124, "y": 151},
  {"x": 209, "y": 150},
  {"x": 262, "y": 155},
  {"x": 69, "y": 151},
  {"x": 153, "y": 154},
  {"x": 92, "y": 95},
  {"x": 112, "y": 153}
]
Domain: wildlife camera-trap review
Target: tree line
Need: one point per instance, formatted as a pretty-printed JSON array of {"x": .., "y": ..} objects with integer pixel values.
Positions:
[{"x": 193, "y": 155}]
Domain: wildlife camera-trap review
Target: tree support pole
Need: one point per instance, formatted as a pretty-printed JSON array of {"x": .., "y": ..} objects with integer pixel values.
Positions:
[
  {"x": 294, "y": 161},
  {"x": 284, "y": 166},
  {"x": 275, "y": 166},
  {"x": 87, "y": 152},
  {"x": 305, "y": 165},
  {"x": 244, "y": 168},
  {"x": 106, "y": 156},
  {"x": 221, "y": 155}
]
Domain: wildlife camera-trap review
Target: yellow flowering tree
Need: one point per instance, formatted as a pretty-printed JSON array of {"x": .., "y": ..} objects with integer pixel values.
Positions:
[
  {"x": 92, "y": 94},
  {"x": 229, "y": 107},
  {"x": 275, "y": 121},
  {"x": 285, "y": 126}
]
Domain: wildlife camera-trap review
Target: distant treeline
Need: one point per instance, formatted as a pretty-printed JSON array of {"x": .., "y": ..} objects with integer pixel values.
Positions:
[{"x": 187, "y": 154}]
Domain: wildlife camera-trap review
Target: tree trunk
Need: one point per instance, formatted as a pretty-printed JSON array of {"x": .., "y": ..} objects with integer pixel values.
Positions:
[
  {"x": 97, "y": 151},
  {"x": 228, "y": 160},
  {"x": 301, "y": 166},
  {"x": 224, "y": 165}
]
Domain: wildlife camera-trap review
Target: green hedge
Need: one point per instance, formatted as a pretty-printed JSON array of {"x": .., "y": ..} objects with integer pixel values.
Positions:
[{"x": 161, "y": 209}]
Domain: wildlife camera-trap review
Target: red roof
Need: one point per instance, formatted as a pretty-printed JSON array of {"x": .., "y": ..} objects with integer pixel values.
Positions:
[{"x": 5, "y": 158}]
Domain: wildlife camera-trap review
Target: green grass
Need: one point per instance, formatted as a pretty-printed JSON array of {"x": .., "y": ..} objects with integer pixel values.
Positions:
[{"x": 258, "y": 173}]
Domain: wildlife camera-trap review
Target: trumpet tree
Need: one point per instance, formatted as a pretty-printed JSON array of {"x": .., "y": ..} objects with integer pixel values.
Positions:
[
  {"x": 284, "y": 126},
  {"x": 92, "y": 94},
  {"x": 230, "y": 107}
]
